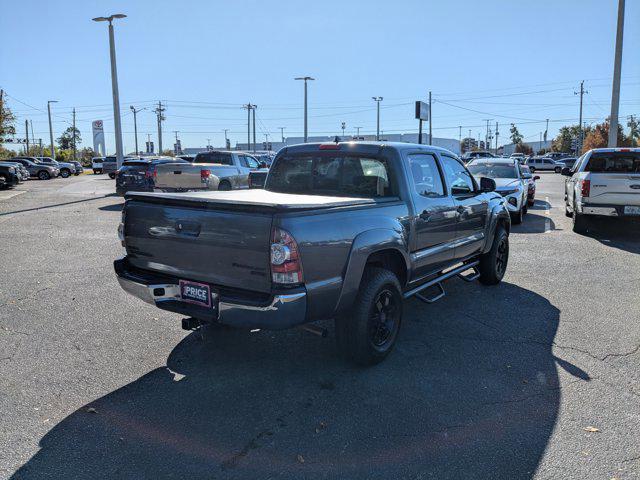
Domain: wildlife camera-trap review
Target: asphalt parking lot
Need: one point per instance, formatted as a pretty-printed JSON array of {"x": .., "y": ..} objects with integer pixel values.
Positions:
[{"x": 538, "y": 377}]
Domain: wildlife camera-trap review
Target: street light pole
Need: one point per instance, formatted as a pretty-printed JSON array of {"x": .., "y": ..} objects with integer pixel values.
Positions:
[
  {"x": 282, "y": 133},
  {"x": 114, "y": 85},
  {"x": 377, "y": 100},
  {"x": 226, "y": 141},
  {"x": 306, "y": 131},
  {"x": 53, "y": 152},
  {"x": 617, "y": 67}
]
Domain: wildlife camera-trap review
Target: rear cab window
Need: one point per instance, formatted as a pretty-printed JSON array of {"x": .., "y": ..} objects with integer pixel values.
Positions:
[
  {"x": 332, "y": 174},
  {"x": 613, "y": 162}
]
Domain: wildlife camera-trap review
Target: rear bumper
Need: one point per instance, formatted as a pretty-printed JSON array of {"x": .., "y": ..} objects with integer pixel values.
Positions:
[
  {"x": 603, "y": 210},
  {"x": 122, "y": 189},
  {"x": 278, "y": 312}
]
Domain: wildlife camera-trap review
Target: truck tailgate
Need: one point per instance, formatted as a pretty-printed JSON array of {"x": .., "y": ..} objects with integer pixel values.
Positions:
[
  {"x": 220, "y": 246},
  {"x": 615, "y": 188},
  {"x": 178, "y": 176}
]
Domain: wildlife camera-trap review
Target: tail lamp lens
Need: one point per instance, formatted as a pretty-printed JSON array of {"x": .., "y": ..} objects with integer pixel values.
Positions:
[
  {"x": 585, "y": 188},
  {"x": 286, "y": 267}
]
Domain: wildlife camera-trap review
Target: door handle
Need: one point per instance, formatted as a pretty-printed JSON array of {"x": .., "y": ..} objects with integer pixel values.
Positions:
[{"x": 426, "y": 215}]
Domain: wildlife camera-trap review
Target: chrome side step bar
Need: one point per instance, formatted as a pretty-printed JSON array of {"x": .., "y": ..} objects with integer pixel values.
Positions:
[{"x": 437, "y": 282}]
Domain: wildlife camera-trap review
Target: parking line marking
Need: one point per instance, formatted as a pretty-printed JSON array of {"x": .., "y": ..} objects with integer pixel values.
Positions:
[
  {"x": 7, "y": 194},
  {"x": 547, "y": 212}
]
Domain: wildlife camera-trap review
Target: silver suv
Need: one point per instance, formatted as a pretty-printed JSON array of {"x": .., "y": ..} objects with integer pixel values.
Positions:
[{"x": 542, "y": 164}]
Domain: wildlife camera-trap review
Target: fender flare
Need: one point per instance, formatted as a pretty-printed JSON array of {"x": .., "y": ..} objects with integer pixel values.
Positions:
[
  {"x": 365, "y": 244},
  {"x": 497, "y": 212}
]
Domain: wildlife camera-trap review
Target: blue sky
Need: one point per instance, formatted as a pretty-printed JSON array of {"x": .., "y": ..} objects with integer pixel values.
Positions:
[{"x": 510, "y": 61}]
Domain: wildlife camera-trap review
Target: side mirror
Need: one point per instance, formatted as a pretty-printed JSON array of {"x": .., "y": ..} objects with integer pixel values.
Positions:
[
  {"x": 566, "y": 171},
  {"x": 537, "y": 177},
  {"x": 487, "y": 184},
  {"x": 262, "y": 165}
]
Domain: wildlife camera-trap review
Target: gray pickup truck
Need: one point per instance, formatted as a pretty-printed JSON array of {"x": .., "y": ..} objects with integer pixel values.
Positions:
[{"x": 342, "y": 231}]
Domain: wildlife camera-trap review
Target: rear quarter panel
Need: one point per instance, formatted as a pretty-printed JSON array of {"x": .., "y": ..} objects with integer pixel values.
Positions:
[{"x": 325, "y": 239}]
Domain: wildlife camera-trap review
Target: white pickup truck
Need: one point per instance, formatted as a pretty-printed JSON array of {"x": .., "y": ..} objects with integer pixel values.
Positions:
[
  {"x": 214, "y": 170},
  {"x": 605, "y": 182}
]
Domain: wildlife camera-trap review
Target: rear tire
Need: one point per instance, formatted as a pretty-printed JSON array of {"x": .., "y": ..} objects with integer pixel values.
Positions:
[
  {"x": 44, "y": 175},
  {"x": 557, "y": 170},
  {"x": 3, "y": 182},
  {"x": 580, "y": 223},
  {"x": 493, "y": 264},
  {"x": 224, "y": 186},
  {"x": 367, "y": 333}
]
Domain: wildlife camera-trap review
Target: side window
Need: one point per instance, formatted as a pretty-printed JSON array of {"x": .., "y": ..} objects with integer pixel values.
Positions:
[
  {"x": 458, "y": 177},
  {"x": 426, "y": 175},
  {"x": 248, "y": 162}
]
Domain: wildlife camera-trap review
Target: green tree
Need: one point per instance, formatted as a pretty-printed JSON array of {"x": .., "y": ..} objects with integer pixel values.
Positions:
[
  {"x": 634, "y": 130},
  {"x": 523, "y": 148},
  {"x": 65, "y": 141},
  {"x": 562, "y": 142},
  {"x": 516, "y": 136},
  {"x": 6, "y": 153},
  {"x": 168, "y": 153},
  {"x": 7, "y": 120},
  {"x": 86, "y": 154}
]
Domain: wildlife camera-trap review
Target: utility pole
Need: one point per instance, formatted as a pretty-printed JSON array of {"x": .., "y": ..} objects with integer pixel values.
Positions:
[
  {"x": 358, "y": 132},
  {"x": 26, "y": 127},
  {"x": 282, "y": 133},
  {"x": 377, "y": 100},
  {"x": 497, "y": 133},
  {"x": 33, "y": 137},
  {"x": 306, "y": 79},
  {"x": 53, "y": 152},
  {"x": 469, "y": 141},
  {"x": 161, "y": 117},
  {"x": 344, "y": 125},
  {"x": 226, "y": 139},
  {"x": 486, "y": 137},
  {"x": 581, "y": 93},
  {"x": 546, "y": 131},
  {"x": 248, "y": 107},
  {"x": 176, "y": 150},
  {"x": 74, "y": 133},
  {"x": 615, "y": 91},
  {"x": 460, "y": 134},
  {"x": 266, "y": 140},
  {"x": 135, "y": 125},
  {"x": 253, "y": 107},
  {"x": 430, "y": 121}
]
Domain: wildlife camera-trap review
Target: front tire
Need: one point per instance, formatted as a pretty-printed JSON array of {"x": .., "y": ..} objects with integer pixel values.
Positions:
[
  {"x": 64, "y": 173},
  {"x": 580, "y": 223},
  {"x": 493, "y": 264},
  {"x": 367, "y": 333}
]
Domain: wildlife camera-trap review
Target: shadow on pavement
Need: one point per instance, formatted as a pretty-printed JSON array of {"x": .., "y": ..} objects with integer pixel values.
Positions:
[
  {"x": 623, "y": 234},
  {"x": 534, "y": 223},
  {"x": 471, "y": 391},
  {"x": 93, "y": 199},
  {"x": 116, "y": 207}
]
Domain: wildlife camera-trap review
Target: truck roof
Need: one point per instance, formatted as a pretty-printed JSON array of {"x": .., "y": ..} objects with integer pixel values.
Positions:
[{"x": 370, "y": 147}]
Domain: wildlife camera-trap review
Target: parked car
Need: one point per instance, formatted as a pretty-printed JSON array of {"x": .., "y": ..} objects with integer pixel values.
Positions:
[
  {"x": 510, "y": 182},
  {"x": 79, "y": 167},
  {"x": 568, "y": 161},
  {"x": 96, "y": 165},
  {"x": 544, "y": 164},
  {"x": 603, "y": 182},
  {"x": 214, "y": 170},
  {"x": 139, "y": 175},
  {"x": 341, "y": 230},
  {"x": 257, "y": 178},
  {"x": 468, "y": 156},
  {"x": 21, "y": 170},
  {"x": 66, "y": 169},
  {"x": 9, "y": 175},
  {"x": 556, "y": 155},
  {"x": 109, "y": 166},
  {"x": 531, "y": 179},
  {"x": 36, "y": 169}
]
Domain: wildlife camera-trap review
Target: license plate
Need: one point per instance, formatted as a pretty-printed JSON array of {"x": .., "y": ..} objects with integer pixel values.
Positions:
[
  {"x": 196, "y": 293},
  {"x": 631, "y": 210}
]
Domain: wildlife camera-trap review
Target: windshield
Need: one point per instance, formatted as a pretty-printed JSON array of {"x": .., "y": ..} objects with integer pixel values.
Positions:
[
  {"x": 333, "y": 174},
  {"x": 493, "y": 170},
  {"x": 614, "y": 162}
]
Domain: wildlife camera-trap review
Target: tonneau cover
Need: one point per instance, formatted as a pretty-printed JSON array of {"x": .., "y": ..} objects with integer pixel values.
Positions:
[{"x": 257, "y": 198}]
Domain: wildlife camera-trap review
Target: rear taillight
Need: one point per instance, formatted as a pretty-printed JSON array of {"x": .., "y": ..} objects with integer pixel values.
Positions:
[
  {"x": 286, "y": 267},
  {"x": 150, "y": 173},
  {"x": 585, "y": 188},
  {"x": 204, "y": 175}
]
